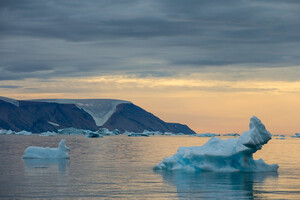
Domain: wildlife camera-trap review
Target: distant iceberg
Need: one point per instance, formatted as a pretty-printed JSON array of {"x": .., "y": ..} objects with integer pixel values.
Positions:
[
  {"x": 72, "y": 131},
  {"x": 48, "y": 133},
  {"x": 207, "y": 135},
  {"x": 6, "y": 132},
  {"x": 106, "y": 132},
  {"x": 297, "y": 135},
  {"x": 61, "y": 152},
  {"x": 232, "y": 134},
  {"x": 133, "y": 134},
  {"x": 94, "y": 135},
  {"x": 231, "y": 155}
]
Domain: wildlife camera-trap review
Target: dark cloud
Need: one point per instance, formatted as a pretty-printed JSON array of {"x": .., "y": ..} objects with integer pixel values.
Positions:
[
  {"x": 10, "y": 86},
  {"x": 44, "y": 39}
]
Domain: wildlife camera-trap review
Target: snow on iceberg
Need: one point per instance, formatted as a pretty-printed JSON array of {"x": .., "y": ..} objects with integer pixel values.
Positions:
[
  {"x": 61, "y": 152},
  {"x": 231, "y": 155}
]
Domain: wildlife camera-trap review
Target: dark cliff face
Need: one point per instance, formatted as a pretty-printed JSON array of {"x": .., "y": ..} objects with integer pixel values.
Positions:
[
  {"x": 34, "y": 116},
  {"x": 133, "y": 118}
]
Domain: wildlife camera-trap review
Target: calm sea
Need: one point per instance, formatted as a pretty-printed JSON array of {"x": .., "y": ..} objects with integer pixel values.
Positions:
[{"x": 120, "y": 167}]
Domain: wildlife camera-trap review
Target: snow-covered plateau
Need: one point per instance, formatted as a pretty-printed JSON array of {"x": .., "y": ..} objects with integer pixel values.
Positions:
[{"x": 231, "y": 155}]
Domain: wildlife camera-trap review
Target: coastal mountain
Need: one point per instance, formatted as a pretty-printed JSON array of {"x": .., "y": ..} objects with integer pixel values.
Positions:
[{"x": 52, "y": 114}]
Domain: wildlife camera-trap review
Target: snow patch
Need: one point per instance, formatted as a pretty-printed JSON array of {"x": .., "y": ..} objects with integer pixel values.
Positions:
[
  {"x": 12, "y": 101},
  {"x": 61, "y": 152},
  {"x": 99, "y": 109},
  {"x": 223, "y": 155},
  {"x": 54, "y": 124}
]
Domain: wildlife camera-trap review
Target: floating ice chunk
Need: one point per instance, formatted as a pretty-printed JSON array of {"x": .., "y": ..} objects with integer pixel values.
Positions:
[
  {"x": 207, "y": 135},
  {"x": 133, "y": 134},
  {"x": 106, "y": 132},
  {"x": 148, "y": 132},
  {"x": 157, "y": 133},
  {"x": 23, "y": 133},
  {"x": 297, "y": 135},
  {"x": 48, "y": 133},
  {"x": 116, "y": 132},
  {"x": 94, "y": 135},
  {"x": 223, "y": 155},
  {"x": 6, "y": 132},
  {"x": 282, "y": 137},
  {"x": 61, "y": 152},
  {"x": 168, "y": 133},
  {"x": 232, "y": 134},
  {"x": 72, "y": 131}
]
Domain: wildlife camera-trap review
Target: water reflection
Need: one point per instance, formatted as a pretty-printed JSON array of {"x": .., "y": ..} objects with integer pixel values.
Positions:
[
  {"x": 34, "y": 166},
  {"x": 216, "y": 185}
]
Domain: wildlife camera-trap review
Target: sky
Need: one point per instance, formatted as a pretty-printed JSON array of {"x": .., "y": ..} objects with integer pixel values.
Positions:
[{"x": 210, "y": 64}]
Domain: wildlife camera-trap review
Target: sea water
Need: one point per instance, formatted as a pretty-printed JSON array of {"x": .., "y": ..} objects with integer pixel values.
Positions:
[{"x": 120, "y": 167}]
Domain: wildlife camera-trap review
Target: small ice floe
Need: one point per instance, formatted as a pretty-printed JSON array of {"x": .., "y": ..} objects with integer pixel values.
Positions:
[
  {"x": 281, "y": 137},
  {"x": 48, "y": 133},
  {"x": 231, "y": 155},
  {"x": 106, "y": 132},
  {"x": 133, "y": 134},
  {"x": 72, "y": 131},
  {"x": 152, "y": 132},
  {"x": 297, "y": 135},
  {"x": 61, "y": 152},
  {"x": 232, "y": 134},
  {"x": 94, "y": 135},
  {"x": 6, "y": 132},
  {"x": 23, "y": 133},
  {"x": 157, "y": 133},
  {"x": 207, "y": 135}
]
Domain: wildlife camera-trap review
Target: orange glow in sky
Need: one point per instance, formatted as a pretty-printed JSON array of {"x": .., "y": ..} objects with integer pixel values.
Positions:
[{"x": 204, "y": 105}]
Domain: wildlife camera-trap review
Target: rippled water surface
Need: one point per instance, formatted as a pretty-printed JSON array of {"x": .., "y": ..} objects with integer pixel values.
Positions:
[{"x": 120, "y": 167}]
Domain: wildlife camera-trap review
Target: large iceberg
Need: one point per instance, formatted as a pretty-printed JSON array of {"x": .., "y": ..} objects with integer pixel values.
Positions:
[
  {"x": 231, "y": 155},
  {"x": 61, "y": 152}
]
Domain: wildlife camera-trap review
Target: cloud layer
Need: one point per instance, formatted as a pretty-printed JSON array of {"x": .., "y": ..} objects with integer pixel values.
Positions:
[{"x": 46, "y": 39}]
